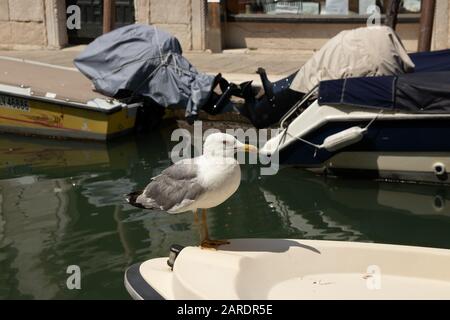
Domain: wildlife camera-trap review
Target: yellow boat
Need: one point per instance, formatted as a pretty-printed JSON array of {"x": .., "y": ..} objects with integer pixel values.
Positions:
[{"x": 48, "y": 100}]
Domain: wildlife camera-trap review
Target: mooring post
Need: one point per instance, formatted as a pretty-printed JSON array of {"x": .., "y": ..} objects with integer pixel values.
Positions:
[
  {"x": 214, "y": 26},
  {"x": 426, "y": 25},
  {"x": 392, "y": 13},
  {"x": 108, "y": 15}
]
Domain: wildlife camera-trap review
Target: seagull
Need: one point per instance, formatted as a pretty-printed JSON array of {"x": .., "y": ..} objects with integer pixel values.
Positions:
[{"x": 197, "y": 184}]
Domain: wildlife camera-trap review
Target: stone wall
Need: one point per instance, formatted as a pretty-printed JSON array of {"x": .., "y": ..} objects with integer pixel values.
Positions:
[
  {"x": 186, "y": 20},
  {"x": 31, "y": 24},
  {"x": 22, "y": 23},
  {"x": 299, "y": 36},
  {"x": 304, "y": 36},
  {"x": 182, "y": 18},
  {"x": 441, "y": 36}
]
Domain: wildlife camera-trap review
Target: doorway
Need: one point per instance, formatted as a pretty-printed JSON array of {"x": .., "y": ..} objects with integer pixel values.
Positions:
[{"x": 92, "y": 19}]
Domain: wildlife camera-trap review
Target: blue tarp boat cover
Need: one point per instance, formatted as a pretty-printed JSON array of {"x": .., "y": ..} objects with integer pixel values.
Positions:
[
  {"x": 431, "y": 61},
  {"x": 427, "y": 90},
  {"x": 145, "y": 61}
]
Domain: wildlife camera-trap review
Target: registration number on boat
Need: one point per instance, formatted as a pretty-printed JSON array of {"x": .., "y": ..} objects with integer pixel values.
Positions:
[{"x": 14, "y": 103}]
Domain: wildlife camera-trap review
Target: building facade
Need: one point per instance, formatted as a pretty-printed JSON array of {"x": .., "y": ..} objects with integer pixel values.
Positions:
[{"x": 211, "y": 24}]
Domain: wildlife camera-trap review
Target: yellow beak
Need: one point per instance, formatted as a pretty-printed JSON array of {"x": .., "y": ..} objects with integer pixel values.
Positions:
[{"x": 251, "y": 149}]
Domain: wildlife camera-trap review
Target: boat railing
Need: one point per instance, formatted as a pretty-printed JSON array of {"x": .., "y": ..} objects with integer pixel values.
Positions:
[{"x": 293, "y": 111}]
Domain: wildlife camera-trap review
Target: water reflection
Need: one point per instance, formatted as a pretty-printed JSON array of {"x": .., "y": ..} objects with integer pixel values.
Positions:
[
  {"x": 361, "y": 210},
  {"x": 34, "y": 215},
  {"x": 61, "y": 204}
]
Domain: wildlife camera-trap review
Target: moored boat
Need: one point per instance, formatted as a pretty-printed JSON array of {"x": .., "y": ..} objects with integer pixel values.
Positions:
[
  {"x": 46, "y": 100},
  {"x": 392, "y": 127}
]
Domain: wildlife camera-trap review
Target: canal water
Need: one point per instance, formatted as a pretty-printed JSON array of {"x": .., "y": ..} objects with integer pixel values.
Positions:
[{"x": 62, "y": 204}]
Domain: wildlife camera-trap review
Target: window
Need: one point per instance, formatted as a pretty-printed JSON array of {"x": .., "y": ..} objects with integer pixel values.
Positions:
[{"x": 315, "y": 7}]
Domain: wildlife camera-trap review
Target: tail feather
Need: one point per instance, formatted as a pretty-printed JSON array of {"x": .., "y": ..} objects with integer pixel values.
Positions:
[
  {"x": 132, "y": 200},
  {"x": 132, "y": 197}
]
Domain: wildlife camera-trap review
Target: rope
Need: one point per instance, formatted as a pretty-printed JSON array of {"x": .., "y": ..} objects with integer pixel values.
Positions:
[
  {"x": 316, "y": 145},
  {"x": 159, "y": 45},
  {"x": 164, "y": 60},
  {"x": 374, "y": 119},
  {"x": 305, "y": 141}
]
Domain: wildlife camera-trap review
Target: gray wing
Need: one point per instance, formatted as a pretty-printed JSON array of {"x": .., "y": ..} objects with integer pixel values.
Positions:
[{"x": 174, "y": 189}]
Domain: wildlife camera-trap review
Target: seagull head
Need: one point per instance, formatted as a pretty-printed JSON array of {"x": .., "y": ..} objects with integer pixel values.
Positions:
[{"x": 225, "y": 145}]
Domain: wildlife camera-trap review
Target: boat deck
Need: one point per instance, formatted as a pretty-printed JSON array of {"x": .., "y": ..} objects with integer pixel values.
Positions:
[
  {"x": 47, "y": 100},
  {"x": 48, "y": 81}
]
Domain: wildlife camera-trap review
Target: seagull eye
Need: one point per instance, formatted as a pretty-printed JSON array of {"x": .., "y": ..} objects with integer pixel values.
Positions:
[{"x": 226, "y": 143}]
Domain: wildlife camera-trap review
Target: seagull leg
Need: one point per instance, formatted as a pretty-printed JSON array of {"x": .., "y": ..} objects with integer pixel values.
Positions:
[
  {"x": 196, "y": 217},
  {"x": 206, "y": 241},
  {"x": 197, "y": 224}
]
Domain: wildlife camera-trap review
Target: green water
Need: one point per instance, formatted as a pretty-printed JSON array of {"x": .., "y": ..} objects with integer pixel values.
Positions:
[{"x": 62, "y": 204}]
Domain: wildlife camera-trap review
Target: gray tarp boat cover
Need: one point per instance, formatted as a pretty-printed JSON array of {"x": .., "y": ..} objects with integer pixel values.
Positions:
[
  {"x": 145, "y": 61},
  {"x": 362, "y": 52}
]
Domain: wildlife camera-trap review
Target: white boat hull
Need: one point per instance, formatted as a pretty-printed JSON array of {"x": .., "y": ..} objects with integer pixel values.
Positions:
[
  {"x": 394, "y": 145},
  {"x": 296, "y": 269}
]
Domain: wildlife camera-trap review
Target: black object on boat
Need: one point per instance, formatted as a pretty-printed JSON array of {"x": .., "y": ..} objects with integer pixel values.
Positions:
[{"x": 278, "y": 99}]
